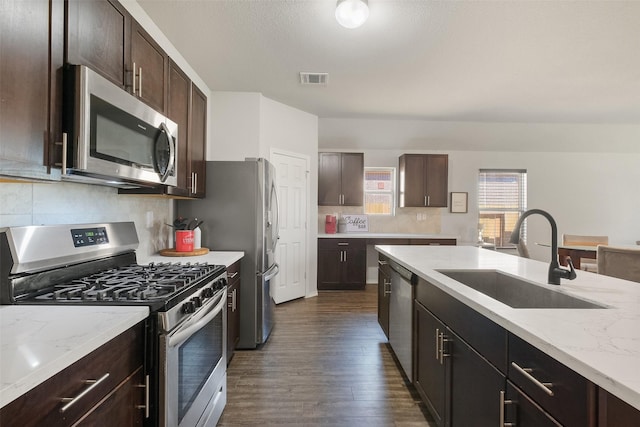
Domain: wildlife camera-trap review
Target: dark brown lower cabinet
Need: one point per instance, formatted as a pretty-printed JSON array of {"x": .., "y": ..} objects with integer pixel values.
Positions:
[
  {"x": 458, "y": 385},
  {"x": 117, "y": 398},
  {"x": 384, "y": 290},
  {"x": 342, "y": 264},
  {"x": 475, "y": 385},
  {"x": 233, "y": 309},
  {"x": 431, "y": 371},
  {"x": 613, "y": 412}
]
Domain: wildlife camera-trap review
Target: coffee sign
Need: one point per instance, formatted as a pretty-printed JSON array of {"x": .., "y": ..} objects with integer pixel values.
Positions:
[{"x": 356, "y": 223}]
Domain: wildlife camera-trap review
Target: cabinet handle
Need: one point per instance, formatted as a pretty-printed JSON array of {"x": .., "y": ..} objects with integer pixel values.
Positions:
[
  {"x": 428, "y": 200},
  {"x": 386, "y": 287},
  {"x": 195, "y": 183},
  {"x": 235, "y": 299},
  {"x": 140, "y": 83},
  {"x": 345, "y": 256},
  {"x": 232, "y": 304},
  {"x": 380, "y": 262},
  {"x": 343, "y": 243},
  {"x": 442, "y": 353},
  {"x": 504, "y": 402},
  {"x": 133, "y": 78},
  {"x": 437, "y": 343},
  {"x": 63, "y": 163},
  {"x": 70, "y": 401},
  {"x": 341, "y": 259},
  {"x": 233, "y": 275},
  {"x": 146, "y": 397},
  {"x": 425, "y": 200},
  {"x": 546, "y": 387}
]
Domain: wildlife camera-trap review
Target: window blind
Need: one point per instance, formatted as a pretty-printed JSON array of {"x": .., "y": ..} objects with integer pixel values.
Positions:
[{"x": 502, "y": 197}]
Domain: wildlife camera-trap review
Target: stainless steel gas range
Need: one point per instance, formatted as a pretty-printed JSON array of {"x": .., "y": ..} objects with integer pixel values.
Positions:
[{"x": 95, "y": 264}]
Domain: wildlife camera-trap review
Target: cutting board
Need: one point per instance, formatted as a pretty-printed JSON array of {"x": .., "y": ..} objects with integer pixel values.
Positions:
[{"x": 173, "y": 252}]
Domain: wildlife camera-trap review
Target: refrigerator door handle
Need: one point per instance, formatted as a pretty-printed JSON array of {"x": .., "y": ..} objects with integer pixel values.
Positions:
[
  {"x": 272, "y": 272},
  {"x": 276, "y": 228}
]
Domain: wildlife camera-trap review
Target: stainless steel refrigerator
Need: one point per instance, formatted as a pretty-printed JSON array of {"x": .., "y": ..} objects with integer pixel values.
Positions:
[{"x": 240, "y": 213}]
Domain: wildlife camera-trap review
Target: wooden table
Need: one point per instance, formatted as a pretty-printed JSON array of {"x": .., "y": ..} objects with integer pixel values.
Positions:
[{"x": 575, "y": 252}]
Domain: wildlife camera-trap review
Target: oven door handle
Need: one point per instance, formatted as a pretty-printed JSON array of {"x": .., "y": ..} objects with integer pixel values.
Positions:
[{"x": 195, "y": 323}]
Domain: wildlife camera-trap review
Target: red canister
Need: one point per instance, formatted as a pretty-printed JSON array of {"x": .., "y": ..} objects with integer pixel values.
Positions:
[
  {"x": 184, "y": 240},
  {"x": 330, "y": 224}
]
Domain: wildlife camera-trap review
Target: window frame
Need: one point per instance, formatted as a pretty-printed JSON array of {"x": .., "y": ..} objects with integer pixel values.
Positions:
[
  {"x": 501, "y": 214},
  {"x": 392, "y": 191}
]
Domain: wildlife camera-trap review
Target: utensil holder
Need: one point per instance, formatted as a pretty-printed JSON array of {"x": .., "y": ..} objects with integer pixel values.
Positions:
[{"x": 184, "y": 240}]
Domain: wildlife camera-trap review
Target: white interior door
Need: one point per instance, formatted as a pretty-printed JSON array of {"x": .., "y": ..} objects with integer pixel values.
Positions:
[{"x": 291, "y": 252}]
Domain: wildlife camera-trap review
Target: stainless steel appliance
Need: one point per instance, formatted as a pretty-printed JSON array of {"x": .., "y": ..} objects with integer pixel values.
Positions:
[
  {"x": 401, "y": 298},
  {"x": 240, "y": 213},
  {"x": 94, "y": 264},
  {"x": 112, "y": 138}
]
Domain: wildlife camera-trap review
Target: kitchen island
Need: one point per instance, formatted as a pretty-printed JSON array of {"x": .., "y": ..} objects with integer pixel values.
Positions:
[{"x": 601, "y": 344}]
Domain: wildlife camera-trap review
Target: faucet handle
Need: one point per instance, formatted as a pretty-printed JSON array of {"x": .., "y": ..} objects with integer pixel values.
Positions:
[{"x": 572, "y": 271}]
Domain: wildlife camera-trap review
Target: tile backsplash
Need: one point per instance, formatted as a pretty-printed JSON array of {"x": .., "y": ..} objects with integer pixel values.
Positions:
[
  {"x": 406, "y": 220},
  {"x": 71, "y": 203}
]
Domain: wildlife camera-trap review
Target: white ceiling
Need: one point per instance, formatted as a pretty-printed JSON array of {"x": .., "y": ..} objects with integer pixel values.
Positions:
[{"x": 489, "y": 61}]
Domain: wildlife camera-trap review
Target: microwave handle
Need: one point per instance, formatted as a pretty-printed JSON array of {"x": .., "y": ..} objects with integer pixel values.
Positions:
[{"x": 172, "y": 152}]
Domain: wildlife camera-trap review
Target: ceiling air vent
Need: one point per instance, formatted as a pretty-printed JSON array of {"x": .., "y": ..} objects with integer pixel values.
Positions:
[{"x": 314, "y": 78}]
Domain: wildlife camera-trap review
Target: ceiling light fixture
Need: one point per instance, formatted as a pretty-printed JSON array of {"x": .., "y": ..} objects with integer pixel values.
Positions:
[{"x": 352, "y": 13}]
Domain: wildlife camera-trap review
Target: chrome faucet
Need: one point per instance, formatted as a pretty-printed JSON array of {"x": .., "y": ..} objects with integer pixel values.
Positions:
[{"x": 555, "y": 271}]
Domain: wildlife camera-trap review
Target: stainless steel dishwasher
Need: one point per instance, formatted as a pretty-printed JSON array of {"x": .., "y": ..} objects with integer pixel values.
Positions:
[{"x": 401, "y": 315}]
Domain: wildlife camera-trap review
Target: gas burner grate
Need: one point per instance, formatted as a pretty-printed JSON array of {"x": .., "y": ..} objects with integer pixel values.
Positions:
[{"x": 155, "y": 281}]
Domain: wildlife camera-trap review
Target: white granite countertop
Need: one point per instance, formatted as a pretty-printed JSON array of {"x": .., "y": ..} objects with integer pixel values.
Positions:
[
  {"x": 213, "y": 257},
  {"x": 367, "y": 235},
  {"x": 603, "y": 345},
  {"x": 38, "y": 341}
]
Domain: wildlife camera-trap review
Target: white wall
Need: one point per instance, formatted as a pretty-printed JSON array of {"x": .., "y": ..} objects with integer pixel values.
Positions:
[
  {"x": 235, "y": 125},
  {"x": 586, "y": 193}
]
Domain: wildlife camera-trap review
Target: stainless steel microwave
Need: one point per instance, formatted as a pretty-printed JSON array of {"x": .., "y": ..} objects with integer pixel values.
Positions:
[{"x": 112, "y": 138}]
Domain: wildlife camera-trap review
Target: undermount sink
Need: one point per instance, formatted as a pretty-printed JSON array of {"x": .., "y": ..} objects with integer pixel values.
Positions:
[{"x": 515, "y": 292}]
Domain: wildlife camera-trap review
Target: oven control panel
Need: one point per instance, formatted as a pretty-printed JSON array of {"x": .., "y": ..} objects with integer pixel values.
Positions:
[{"x": 89, "y": 236}]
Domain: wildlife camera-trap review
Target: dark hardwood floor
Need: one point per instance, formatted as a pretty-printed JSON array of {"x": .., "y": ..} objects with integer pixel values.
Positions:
[{"x": 326, "y": 362}]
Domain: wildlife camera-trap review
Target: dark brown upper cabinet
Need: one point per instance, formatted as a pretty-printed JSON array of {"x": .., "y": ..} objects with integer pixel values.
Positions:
[
  {"x": 340, "y": 179},
  {"x": 150, "y": 65},
  {"x": 197, "y": 142},
  {"x": 99, "y": 36},
  {"x": 31, "y": 59},
  {"x": 423, "y": 180},
  {"x": 103, "y": 36}
]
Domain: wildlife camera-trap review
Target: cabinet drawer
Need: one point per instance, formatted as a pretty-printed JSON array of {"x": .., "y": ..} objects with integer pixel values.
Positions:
[
  {"x": 42, "y": 405},
  {"x": 569, "y": 398},
  {"x": 342, "y": 244}
]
